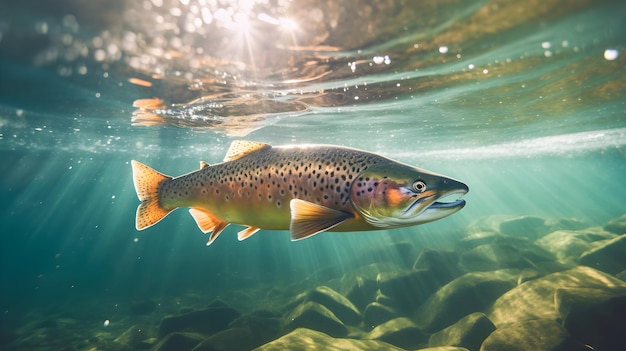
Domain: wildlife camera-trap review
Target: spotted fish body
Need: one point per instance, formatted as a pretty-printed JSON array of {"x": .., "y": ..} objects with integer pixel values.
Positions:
[{"x": 306, "y": 189}]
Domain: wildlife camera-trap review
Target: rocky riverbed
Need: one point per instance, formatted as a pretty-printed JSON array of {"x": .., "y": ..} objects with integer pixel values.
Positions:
[{"x": 524, "y": 283}]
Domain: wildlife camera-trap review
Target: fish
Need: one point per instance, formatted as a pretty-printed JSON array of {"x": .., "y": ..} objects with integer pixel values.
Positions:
[{"x": 306, "y": 189}]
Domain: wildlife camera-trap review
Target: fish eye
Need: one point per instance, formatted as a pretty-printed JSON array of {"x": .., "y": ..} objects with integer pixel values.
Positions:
[{"x": 419, "y": 186}]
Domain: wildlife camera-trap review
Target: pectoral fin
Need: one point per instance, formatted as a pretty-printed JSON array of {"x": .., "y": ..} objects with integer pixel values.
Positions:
[
  {"x": 208, "y": 223},
  {"x": 309, "y": 219}
]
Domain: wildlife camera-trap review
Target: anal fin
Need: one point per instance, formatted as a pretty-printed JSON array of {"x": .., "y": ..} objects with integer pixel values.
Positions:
[
  {"x": 308, "y": 219},
  {"x": 246, "y": 233},
  {"x": 208, "y": 223}
]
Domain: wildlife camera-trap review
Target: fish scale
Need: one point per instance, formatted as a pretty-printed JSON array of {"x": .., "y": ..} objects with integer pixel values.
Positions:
[
  {"x": 277, "y": 175},
  {"x": 306, "y": 189}
]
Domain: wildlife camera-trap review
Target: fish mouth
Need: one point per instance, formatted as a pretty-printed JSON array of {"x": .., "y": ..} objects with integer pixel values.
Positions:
[
  {"x": 438, "y": 208},
  {"x": 440, "y": 205},
  {"x": 456, "y": 204}
]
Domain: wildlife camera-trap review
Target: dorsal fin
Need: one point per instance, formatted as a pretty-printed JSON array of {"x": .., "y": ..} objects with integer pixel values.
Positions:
[
  {"x": 203, "y": 164},
  {"x": 241, "y": 148},
  {"x": 308, "y": 219}
]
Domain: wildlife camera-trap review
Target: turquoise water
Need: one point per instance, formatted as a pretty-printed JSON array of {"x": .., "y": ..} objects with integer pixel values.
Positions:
[{"x": 522, "y": 101}]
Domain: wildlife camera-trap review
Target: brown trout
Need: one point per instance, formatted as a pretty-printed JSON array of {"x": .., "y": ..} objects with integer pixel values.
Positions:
[{"x": 305, "y": 189}]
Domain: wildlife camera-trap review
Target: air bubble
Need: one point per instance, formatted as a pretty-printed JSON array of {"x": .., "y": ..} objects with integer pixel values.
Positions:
[{"x": 611, "y": 54}]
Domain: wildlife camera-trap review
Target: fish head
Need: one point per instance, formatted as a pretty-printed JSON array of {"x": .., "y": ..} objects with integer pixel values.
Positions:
[{"x": 392, "y": 195}]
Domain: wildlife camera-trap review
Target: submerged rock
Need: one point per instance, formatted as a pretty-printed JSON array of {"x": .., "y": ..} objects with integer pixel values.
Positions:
[
  {"x": 207, "y": 321},
  {"x": 566, "y": 224},
  {"x": 608, "y": 257},
  {"x": 473, "y": 240},
  {"x": 489, "y": 256},
  {"x": 312, "y": 315},
  {"x": 504, "y": 252},
  {"x": 595, "y": 317},
  {"x": 179, "y": 342},
  {"x": 568, "y": 245},
  {"x": 469, "y": 332},
  {"x": 524, "y": 226},
  {"x": 339, "y": 305},
  {"x": 488, "y": 224},
  {"x": 376, "y": 313},
  {"x": 385, "y": 300},
  {"x": 617, "y": 225},
  {"x": 472, "y": 292},
  {"x": 408, "y": 288},
  {"x": 264, "y": 325},
  {"x": 541, "y": 334},
  {"x": 535, "y": 299},
  {"x": 443, "y": 264},
  {"x": 305, "y": 339},
  {"x": 362, "y": 291},
  {"x": 401, "y": 332},
  {"x": 133, "y": 336},
  {"x": 233, "y": 339}
]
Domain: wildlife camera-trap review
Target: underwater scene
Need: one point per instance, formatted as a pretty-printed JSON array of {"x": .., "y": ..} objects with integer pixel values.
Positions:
[{"x": 439, "y": 175}]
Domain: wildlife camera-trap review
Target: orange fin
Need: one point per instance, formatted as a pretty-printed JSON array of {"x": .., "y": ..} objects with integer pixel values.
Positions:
[
  {"x": 241, "y": 148},
  {"x": 203, "y": 164},
  {"x": 208, "y": 223},
  {"x": 309, "y": 219},
  {"x": 246, "y": 233},
  {"x": 147, "y": 182}
]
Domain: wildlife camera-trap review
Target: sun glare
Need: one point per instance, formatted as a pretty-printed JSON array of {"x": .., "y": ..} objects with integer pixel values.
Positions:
[{"x": 288, "y": 24}]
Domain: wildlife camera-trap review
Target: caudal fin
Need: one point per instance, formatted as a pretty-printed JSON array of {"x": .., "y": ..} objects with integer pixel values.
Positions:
[{"x": 147, "y": 182}]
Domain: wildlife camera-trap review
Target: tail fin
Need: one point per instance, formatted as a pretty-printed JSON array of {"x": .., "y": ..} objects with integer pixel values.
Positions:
[{"x": 147, "y": 182}]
